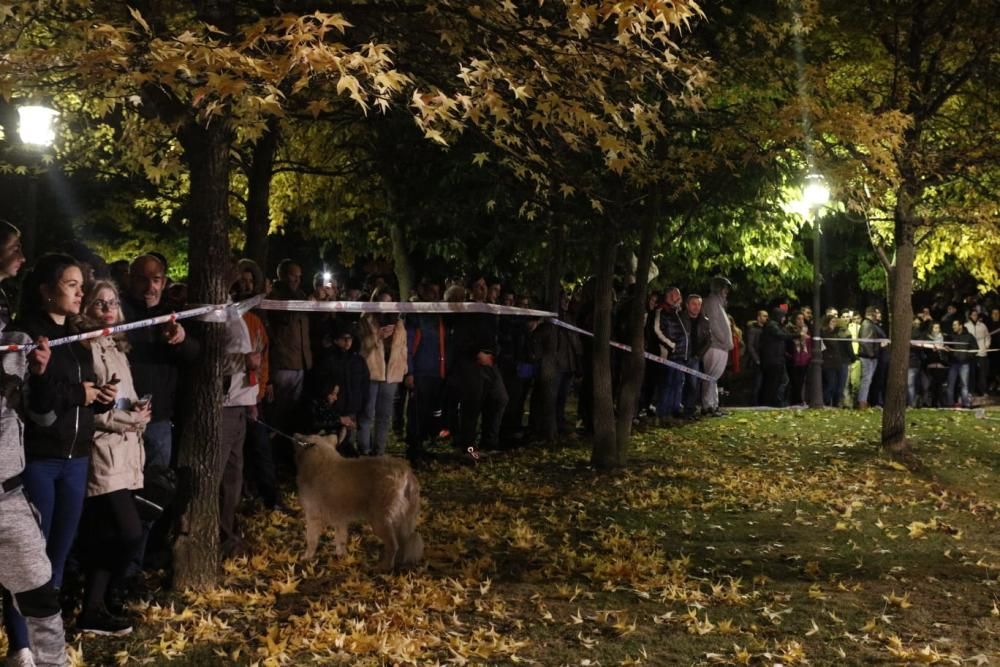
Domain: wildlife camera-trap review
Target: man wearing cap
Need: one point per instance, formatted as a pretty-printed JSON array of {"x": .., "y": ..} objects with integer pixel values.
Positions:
[{"x": 714, "y": 361}]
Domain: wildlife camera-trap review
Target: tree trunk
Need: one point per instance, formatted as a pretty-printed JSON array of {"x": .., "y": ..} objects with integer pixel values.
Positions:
[
  {"x": 901, "y": 313},
  {"x": 196, "y": 552},
  {"x": 401, "y": 260},
  {"x": 546, "y": 390},
  {"x": 635, "y": 361},
  {"x": 605, "y": 453},
  {"x": 259, "y": 177}
]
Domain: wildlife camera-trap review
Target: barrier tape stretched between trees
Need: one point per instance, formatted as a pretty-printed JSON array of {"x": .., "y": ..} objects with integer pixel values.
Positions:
[{"x": 221, "y": 312}]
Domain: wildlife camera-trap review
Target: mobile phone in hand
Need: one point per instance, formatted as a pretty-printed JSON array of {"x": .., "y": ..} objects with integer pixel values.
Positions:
[{"x": 144, "y": 400}]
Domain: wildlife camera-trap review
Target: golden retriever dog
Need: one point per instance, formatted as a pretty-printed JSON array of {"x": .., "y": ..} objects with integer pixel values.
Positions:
[{"x": 381, "y": 490}]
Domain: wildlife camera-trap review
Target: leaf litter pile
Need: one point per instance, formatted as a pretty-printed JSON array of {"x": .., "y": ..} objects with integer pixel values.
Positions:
[{"x": 762, "y": 539}]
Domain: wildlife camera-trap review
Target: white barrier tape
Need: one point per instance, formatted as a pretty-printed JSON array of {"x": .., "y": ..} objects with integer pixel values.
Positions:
[
  {"x": 652, "y": 357},
  {"x": 222, "y": 313},
  {"x": 882, "y": 340},
  {"x": 438, "y": 307},
  {"x": 210, "y": 313}
]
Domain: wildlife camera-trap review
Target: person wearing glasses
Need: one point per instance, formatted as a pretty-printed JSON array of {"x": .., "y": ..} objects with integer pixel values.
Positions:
[{"x": 112, "y": 530}]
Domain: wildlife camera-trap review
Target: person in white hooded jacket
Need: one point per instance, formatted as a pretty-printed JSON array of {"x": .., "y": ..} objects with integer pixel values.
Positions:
[
  {"x": 26, "y": 575},
  {"x": 714, "y": 360}
]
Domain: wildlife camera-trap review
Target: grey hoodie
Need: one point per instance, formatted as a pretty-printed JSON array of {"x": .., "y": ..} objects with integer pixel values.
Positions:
[
  {"x": 13, "y": 373},
  {"x": 714, "y": 308}
]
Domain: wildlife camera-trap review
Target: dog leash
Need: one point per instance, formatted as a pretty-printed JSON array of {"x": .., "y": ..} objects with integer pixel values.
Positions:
[{"x": 296, "y": 441}]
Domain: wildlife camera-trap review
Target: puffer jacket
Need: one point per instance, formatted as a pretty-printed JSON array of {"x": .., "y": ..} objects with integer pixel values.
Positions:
[
  {"x": 373, "y": 350},
  {"x": 13, "y": 370},
  {"x": 118, "y": 457},
  {"x": 673, "y": 325}
]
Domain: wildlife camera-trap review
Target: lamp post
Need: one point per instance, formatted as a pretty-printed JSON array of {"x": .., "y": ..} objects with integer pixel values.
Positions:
[
  {"x": 815, "y": 195},
  {"x": 36, "y": 130}
]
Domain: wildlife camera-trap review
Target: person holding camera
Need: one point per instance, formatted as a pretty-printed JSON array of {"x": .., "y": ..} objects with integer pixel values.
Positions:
[
  {"x": 61, "y": 406},
  {"x": 112, "y": 529}
]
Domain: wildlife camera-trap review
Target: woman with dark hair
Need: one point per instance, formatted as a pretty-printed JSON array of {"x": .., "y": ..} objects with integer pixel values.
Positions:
[
  {"x": 112, "y": 528},
  {"x": 383, "y": 346},
  {"x": 798, "y": 353},
  {"x": 61, "y": 406}
]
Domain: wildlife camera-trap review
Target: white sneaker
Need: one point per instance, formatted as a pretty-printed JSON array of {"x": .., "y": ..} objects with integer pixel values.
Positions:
[{"x": 22, "y": 658}]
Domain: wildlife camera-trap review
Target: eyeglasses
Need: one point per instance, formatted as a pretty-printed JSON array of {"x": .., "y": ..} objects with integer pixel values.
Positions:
[
  {"x": 345, "y": 337},
  {"x": 101, "y": 304}
]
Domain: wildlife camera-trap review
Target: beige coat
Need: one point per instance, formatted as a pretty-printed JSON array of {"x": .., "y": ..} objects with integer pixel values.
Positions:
[
  {"x": 118, "y": 457},
  {"x": 373, "y": 350}
]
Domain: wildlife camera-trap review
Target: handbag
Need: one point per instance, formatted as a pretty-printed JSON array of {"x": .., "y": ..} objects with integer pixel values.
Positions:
[{"x": 157, "y": 493}]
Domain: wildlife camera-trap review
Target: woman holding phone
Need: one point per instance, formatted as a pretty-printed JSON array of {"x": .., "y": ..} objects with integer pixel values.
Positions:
[
  {"x": 61, "y": 406},
  {"x": 112, "y": 529}
]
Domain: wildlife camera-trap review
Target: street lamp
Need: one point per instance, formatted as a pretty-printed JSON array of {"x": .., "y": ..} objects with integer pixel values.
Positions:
[
  {"x": 36, "y": 130},
  {"x": 815, "y": 195},
  {"x": 36, "y": 125}
]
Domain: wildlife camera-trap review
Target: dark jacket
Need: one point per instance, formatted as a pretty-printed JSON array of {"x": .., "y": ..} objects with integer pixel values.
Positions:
[
  {"x": 472, "y": 333},
  {"x": 346, "y": 370},
  {"x": 427, "y": 345},
  {"x": 754, "y": 331},
  {"x": 60, "y": 426},
  {"x": 917, "y": 352},
  {"x": 837, "y": 353},
  {"x": 699, "y": 335},
  {"x": 291, "y": 348},
  {"x": 772, "y": 342},
  {"x": 869, "y": 329},
  {"x": 155, "y": 364},
  {"x": 965, "y": 347},
  {"x": 673, "y": 325}
]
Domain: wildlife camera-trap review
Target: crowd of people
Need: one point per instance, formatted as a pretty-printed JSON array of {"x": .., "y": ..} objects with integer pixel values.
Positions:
[{"x": 86, "y": 426}]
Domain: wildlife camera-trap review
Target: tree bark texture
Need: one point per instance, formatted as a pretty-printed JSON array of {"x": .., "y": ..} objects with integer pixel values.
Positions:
[
  {"x": 401, "y": 260},
  {"x": 196, "y": 552},
  {"x": 259, "y": 175},
  {"x": 546, "y": 390},
  {"x": 901, "y": 314},
  {"x": 635, "y": 361},
  {"x": 605, "y": 453}
]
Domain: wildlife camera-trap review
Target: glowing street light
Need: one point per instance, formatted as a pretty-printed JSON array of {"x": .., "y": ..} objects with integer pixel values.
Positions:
[
  {"x": 36, "y": 125},
  {"x": 816, "y": 195}
]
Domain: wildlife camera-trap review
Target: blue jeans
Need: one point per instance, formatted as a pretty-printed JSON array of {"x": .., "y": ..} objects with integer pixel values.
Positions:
[
  {"x": 955, "y": 373},
  {"x": 912, "y": 380},
  {"x": 834, "y": 380},
  {"x": 868, "y": 367},
  {"x": 378, "y": 413},
  {"x": 669, "y": 404},
  {"x": 158, "y": 440},
  {"x": 691, "y": 391},
  {"x": 56, "y": 487}
]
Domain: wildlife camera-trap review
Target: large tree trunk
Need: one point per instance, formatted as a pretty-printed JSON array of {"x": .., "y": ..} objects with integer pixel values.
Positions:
[
  {"x": 901, "y": 314},
  {"x": 546, "y": 389},
  {"x": 605, "y": 453},
  {"x": 635, "y": 361},
  {"x": 401, "y": 260},
  {"x": 259, "y": 177},
  {"x": 196, "y": 552}
]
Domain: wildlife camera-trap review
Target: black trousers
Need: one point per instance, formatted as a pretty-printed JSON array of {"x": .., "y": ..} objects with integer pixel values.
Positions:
[
  {"x": 481, "y": 393},
  {"x": 425, "y": 409}
]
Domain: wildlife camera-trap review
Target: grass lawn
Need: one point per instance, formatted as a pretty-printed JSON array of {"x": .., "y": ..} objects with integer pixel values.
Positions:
[{"x": 760, "y": 538}]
